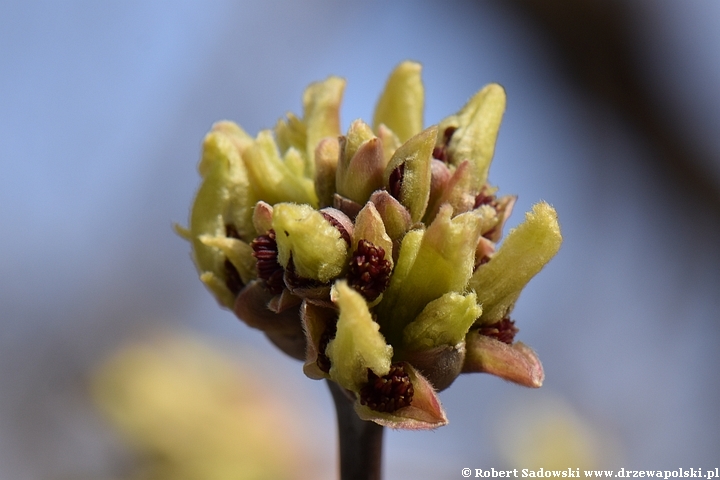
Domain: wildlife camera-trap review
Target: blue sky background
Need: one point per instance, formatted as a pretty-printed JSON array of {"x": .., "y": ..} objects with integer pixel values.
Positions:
[{"x": 103, "y": 107}]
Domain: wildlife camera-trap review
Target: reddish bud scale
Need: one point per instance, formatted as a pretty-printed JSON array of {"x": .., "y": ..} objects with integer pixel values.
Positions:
[
  {"x": 483, "y": 198},
  {"x": 369, "y": 272},
  {"x": 504, "y": 330},
  {"x": 268, "y": 269},
  {"x": 343, "y": 232},
  {"x": 388, "y": 393}
]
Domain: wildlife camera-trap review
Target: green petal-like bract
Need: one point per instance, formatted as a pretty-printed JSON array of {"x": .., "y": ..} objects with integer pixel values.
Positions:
[
  {"x": 224, "y": 197},
  {"x": 477, "y": 126},
  {"x": 444, "y": 321},
  {"x": 523, "y": 253},
  {"x": 238, "y": 252},
  {"x": 443, "y": 263},
  {"x": 358, "y": 343}
]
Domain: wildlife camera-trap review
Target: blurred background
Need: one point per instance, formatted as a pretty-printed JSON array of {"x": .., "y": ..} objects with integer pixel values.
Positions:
[{"x": 107, "y": 336}]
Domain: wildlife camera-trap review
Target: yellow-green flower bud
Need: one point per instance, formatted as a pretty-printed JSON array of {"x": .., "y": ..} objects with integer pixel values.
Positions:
[
  {"x": 321, "y": 106},
  {"x": 372, "y": 255},
  {"x": 409, "y": 172},
  {"x": 326, "y": 164},
  {"x": 395, "y": 216},
  {"x": 390, "y": 141},
  {"x": 361, "y": 163},
  {"x": 223, "y": 201},
  {"x": 276, "y": 180},
  {"x": 262, "y": 217},
  {"x": 321, "y": 119},
  {"x": 316, "y": 247},
  {"x": 474, "y": 131},
  {"x": 400, "y": 107}
]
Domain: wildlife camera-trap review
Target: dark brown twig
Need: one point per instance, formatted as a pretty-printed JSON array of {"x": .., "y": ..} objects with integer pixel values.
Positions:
[{"x": 360, "y": 441}]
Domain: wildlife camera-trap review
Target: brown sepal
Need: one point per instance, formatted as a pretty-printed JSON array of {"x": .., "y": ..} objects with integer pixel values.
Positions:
[
  {"x": 316, "y": 322},
  {"x": 284, "y": 329},
  {"x": 440, "y": 365}
]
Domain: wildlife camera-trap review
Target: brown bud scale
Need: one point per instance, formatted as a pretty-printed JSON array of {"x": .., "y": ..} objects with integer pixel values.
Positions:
[
  {"x": 294, "y": 281},
  {"x": 232, "y": 278},
  {"x": 388, "y": 393},
  {"x": 323, "y": 361}
]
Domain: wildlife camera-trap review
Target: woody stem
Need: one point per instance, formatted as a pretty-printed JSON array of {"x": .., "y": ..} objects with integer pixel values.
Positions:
[{"x": 360, "y": 440}]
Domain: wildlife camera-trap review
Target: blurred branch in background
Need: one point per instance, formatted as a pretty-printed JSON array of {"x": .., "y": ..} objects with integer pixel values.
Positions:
[
  {"x": 191, "y": 411},
  {"x": 596, "y": 43}
]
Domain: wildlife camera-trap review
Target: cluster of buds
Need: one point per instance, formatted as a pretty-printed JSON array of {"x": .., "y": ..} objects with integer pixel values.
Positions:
[{"x": 371, "y": 256}]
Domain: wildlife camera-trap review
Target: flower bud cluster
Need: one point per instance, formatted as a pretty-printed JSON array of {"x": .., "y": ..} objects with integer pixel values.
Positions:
[{"x": 372, "y": 255}]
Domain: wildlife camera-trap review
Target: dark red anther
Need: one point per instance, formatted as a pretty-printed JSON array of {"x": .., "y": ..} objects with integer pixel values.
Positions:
[
  {"x": 388, "y": 393},
  {"x": 504, "y": 330},
  {"x": 369, "y": 272},
  {"x": 268, "y": 269}
]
